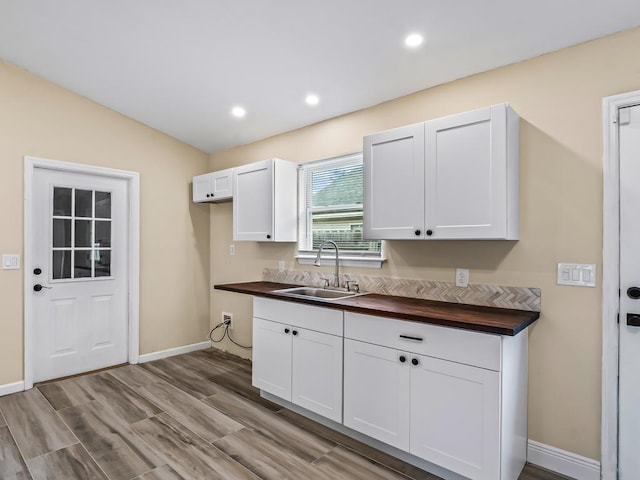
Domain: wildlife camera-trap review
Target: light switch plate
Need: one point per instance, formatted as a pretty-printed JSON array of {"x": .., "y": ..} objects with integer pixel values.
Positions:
[
  {"x": 10, "y": 261},
  {"x": 577, "y": 274}
]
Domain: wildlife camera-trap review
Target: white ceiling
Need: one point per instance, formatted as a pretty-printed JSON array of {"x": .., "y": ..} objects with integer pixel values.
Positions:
[{"x": 180, "y": 65}]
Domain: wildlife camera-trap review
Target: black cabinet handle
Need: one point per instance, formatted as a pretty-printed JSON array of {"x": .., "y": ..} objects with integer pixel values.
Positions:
[
  {"x": 402, "y": 358},
  {"x": 409, "y": 337},
  {"x": 208, "y": 195},
  {"x": 633, "y": 292},
  {"x": 417, "y": 232},
  {"x": 415, "y": 361},
  {"x": 268, "y": 236},
  {"x": 286, "y": 330},
  {"x": 429, "y": 232},
  {"x": 295, "y": 332}
]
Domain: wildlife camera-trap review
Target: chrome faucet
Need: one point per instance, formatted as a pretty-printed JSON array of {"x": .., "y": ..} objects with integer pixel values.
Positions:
[{"x": 336, "y": 282}]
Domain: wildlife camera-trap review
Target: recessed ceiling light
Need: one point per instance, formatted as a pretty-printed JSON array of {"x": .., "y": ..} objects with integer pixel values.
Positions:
[
  {"x": 414, "y": 40},
  {"x": 238, "y": 112},
  {"x": 312, "y": 100}
]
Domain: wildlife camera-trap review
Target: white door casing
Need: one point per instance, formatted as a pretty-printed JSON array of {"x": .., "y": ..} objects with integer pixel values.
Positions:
[
  {"x": 89, "y": 322},
  {"x": 629, "y": 340},
  {"x": 611, "y": 282}
]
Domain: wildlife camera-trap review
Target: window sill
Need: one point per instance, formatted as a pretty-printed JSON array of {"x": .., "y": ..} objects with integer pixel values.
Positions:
[{"x": 345, "y": 260}]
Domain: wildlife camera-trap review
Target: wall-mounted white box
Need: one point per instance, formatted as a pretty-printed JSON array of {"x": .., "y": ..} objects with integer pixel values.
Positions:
[
  {"x": 10, "y": 261},
  {"x": 577, "y": 274}
]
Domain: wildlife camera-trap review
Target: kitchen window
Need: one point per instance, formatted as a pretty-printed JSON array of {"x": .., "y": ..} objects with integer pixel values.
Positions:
[{"x": 331, "y": 193}]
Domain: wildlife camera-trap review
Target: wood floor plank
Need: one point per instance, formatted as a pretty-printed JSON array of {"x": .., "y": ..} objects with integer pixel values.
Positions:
[
  {"x": 164, "y": 472},
  {"x": 343, "y": 464},
  {"x": 71, "y": 463},
  {"x": 65, "y": 393},
  {"x": 134, "y": 376},
  {"x": 127, "y": 403},
  {"x": 199, "y": 417},
  {"x": 12, "y": 465},
  {"x": 239, "y": 382},
  {"x": 35, "y": 426},
  {"x": 3, "y": 422},
  {"x": 531, "y": 472},
  {"x": 204, "y": 367},
  {"x": 296, "y": 440},
  {"x": 119, "y": 451},
  {"x": 187, "y": 453},
  {"x": 357, "y": 446},
  {"x": 219, "y": 357},
  {"x": 186, "y": 380},
  {"x": 268, "y": 460}
]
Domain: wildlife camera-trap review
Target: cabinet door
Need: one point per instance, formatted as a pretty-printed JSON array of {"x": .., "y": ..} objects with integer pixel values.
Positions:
[
  {"x": 394, "y": 184},
  {"x": 202, "y": 188},
  {"x": 271, "y": 369},
  {"x": 466, "y": 179},
  {"x": 376, "y": 392},
  {"x": 222, "y": 184},
  {"x": 455, "y": 417},
  {"x": 253, "y": 202},
  {"x": 317, "y": 373}
]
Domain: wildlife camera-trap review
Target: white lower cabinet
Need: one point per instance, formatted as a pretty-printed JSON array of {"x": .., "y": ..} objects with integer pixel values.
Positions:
[
  {"x": 454, "y": 398},
  {"x": 298, "y": 357},
  {"x": 464, "y": 411},
  {"x": 455, "y": 416},
  {"x": 376, "y": 400}
]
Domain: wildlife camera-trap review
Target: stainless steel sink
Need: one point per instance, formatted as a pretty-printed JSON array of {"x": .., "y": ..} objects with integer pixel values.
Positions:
[{"x": 318, "y": 293}]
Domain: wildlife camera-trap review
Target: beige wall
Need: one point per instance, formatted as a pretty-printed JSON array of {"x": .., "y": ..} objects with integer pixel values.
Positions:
[
  {"x": 558, "y": 97},
  {"x": 40, "y": 119}
]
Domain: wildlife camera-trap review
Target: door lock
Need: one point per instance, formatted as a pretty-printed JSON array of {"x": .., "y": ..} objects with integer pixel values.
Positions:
[
  {"x": 37, "y": 287},
  {"x": 633, "y": 292},
  {"x": 633, "y": 319}
]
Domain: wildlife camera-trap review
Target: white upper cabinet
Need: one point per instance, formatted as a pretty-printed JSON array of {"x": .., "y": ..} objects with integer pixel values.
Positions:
[
  {"x": 213, "y": 187},
  {"x": 455, "y": 177},
  {"x": 265, "y": 201}
]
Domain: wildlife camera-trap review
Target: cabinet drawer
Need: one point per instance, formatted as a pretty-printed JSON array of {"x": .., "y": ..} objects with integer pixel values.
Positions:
[
  {"x": 296, "y": 314},
  {"x": 471, "y": 348}
]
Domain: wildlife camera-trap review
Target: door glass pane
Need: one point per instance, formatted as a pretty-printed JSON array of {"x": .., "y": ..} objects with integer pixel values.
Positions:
[
  {"x": 84, "y": 203},
  {"x": 103, "y": 205},
  {"x": 103, "y": 263},
  {"x": 82, "y": 267},
  {"x": 83, "y": 233},
  {"x": 61, "y": 232},
  {"x": 62, "y": 201},
  {"x": 61, "y": 264},
  {"x": 103, "y": 234}
]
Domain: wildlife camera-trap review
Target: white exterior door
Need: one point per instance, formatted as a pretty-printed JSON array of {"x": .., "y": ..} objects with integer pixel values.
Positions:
[
  {"x": 80, "y": 255},
  {"x": 629, "y": 380}
]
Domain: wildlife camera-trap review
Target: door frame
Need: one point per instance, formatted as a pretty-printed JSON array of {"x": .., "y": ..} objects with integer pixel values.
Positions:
[
  {"x": 611, "y": 279},
  {"x": 133, "y": 265}
]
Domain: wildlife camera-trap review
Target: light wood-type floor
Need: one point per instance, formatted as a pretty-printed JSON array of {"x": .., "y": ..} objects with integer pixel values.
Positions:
[{"x": 192, "y": 416}]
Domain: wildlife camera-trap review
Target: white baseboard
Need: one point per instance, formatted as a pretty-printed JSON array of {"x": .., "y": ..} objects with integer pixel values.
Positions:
[
  {"x": 150, "y": 357},
  {"x": 10, "y": 388},
  {"x": 563, "y": 462}
]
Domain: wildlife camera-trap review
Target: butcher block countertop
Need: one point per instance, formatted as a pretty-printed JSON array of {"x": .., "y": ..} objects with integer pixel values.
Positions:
[{"x": 469, "y": 317}]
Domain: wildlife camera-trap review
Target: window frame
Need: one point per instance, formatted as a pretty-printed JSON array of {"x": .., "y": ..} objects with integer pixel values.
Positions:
[{"x": 308, "y": 255}]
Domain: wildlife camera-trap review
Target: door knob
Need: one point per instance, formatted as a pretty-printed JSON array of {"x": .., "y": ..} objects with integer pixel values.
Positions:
[
  {"x": 37, "y": 287},
  {"x": 633, "y": 319},
  {"x": 633, "y": 292}
]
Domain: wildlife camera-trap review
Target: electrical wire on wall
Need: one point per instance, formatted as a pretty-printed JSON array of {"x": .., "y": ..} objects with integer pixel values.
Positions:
[{"x": 225, "y": 333}]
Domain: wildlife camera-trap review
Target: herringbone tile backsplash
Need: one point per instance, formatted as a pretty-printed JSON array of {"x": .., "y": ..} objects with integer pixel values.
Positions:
[{"x": 519, "y": 298}]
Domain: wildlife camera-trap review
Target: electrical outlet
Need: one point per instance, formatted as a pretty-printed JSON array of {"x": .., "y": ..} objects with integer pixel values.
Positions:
[
  {"x": 232, "y": 249},
  {"x": 462, "y": 277},
  {"x": 281, "y": 265},
  {"x": 227, "y": 319}
]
